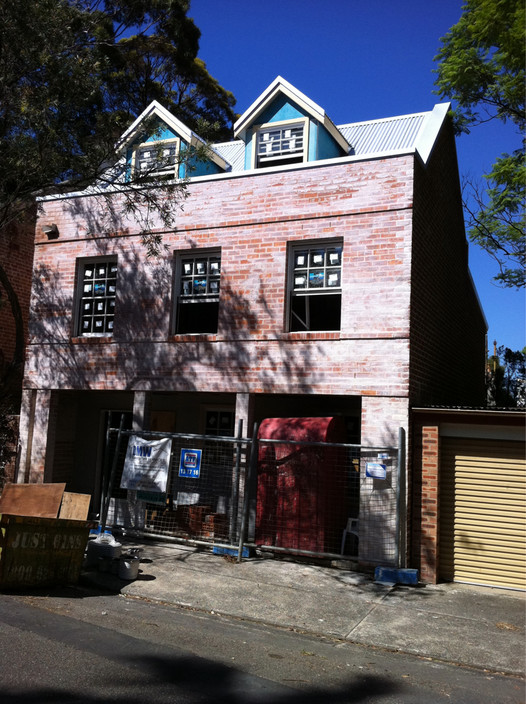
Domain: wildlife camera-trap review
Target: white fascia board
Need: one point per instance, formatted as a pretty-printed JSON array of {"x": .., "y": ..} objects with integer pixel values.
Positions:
[
  {"x": 280, "y": 85},
  {"x": 426, "y": 138},
  {"x": 155, "y": 108}
]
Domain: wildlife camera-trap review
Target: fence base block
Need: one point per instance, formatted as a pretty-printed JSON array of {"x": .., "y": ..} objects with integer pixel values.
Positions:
[
  {"x": 218, "y": 550},
  {"x": 390, "y": 575}
]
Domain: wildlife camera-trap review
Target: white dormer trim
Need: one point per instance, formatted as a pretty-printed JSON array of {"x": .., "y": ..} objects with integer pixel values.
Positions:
[
  {"x": 155, "y": 109},
  {"x": 280, "y": 85}
]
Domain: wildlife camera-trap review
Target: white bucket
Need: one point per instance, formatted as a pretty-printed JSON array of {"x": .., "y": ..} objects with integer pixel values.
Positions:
[
  {"x": 129, "y": 567},
  {"x": 98, "y": 548}
]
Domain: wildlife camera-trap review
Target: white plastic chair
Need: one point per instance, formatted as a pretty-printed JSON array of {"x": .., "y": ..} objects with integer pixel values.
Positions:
[{"x": 352, "y": 528}]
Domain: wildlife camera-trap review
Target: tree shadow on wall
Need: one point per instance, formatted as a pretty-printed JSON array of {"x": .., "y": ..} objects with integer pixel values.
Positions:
[{"x": 143, "y": 354}]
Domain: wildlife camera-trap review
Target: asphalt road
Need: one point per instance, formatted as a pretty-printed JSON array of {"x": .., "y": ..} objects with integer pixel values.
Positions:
[{"x": 74, "y": 646}]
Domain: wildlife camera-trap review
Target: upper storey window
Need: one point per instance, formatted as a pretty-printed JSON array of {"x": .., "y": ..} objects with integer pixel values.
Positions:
[
  {"x": 198, "y": 281},
  {"x": 315, "y": 287},
  {"x": 158, "y": 157},
  {"x": 97, "y": 291},
  {"x": 281, "y": 143}
]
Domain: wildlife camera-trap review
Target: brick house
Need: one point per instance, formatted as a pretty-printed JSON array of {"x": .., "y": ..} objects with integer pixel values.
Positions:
[{"x": 315, "y": 270}]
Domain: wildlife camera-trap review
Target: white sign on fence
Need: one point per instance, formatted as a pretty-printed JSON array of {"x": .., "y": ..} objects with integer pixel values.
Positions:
[{"x": 146, "y": 464}]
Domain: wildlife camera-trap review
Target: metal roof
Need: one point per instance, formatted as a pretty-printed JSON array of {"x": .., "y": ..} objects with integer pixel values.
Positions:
[
  {"x": 495, "y": 410},
  {"x": 233, "y": 152},
  {"x": 386, "y": 135}
]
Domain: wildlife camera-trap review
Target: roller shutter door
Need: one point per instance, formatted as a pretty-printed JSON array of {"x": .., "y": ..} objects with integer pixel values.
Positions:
[{"x": 483, "y": 512}]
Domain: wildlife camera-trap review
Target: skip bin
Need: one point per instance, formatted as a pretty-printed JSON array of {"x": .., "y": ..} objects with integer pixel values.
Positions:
[{"x": 40, "y": 551}]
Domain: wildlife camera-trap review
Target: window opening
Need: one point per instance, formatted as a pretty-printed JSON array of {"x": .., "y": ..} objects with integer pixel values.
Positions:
[
  {"x": 219, "y": 422},
  {"x": 98, "y": 289},
  {"x": 198, "y": 299},
  {"x": 155, "y": 157},
  {"x": 280, "y": 145},
  {"x": 315, "y": 288}
]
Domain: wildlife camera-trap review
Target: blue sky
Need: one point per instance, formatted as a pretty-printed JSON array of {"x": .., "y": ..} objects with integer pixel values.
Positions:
[{"x": 359, "y": 61}]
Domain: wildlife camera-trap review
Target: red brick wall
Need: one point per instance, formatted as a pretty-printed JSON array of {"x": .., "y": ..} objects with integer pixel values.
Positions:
[
  {"x": 16, "y": 255},
  {"x": 448, "y": 342},
  {"x": 425, "y": 519}
]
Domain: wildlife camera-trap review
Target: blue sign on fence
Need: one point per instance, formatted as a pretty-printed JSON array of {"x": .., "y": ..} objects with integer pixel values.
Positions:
[
  {"x": 190, "y": 464},
  {"x": 376, "y": 470}
]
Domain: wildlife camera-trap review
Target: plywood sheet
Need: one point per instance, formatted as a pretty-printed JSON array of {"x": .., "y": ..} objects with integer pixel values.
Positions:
[
  {"x": 74, "y": 507},
  {"x": 37, "y": 500}
]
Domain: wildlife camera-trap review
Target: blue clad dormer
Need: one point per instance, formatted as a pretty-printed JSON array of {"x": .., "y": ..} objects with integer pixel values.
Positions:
[
  {"x": 283, "y": 126},
  {"x": 156, "y": 142}
]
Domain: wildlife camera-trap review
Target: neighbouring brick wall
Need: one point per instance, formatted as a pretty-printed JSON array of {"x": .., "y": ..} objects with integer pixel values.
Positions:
[
  {"x": 16, "y": 255},
  {"x": 367, "y": 204},
  {"x": 425, "y": 503},
  {"x": 448, "y": 330}
]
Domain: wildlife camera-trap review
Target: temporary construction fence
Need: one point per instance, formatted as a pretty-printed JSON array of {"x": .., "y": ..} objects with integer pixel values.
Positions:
[{"x": 301, "y": 497}]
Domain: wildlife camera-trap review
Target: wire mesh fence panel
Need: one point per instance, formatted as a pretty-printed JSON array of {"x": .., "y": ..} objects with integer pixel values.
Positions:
[
  {"x": 318, "y": 498},
  {"x": 378, "y": 517},
  {"x": 201, "y": 500},
  {"x": 310, "y": 498}
]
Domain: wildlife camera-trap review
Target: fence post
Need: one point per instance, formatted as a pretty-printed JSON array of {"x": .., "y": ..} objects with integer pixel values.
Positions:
[
  {"x": 235, "y": 484},
  {"x": 107, "y": 498},
  {"x": 246, "y": 497},
  {"x": 401, "y": 515}
]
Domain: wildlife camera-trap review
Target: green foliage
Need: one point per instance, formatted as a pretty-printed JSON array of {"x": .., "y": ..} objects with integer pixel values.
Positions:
[
  {"x": 496, "y": 217},
  {"x": 507, "y": 377},
  {"x": 481, "y": 66},
  {"x": 74, "y": 74}
]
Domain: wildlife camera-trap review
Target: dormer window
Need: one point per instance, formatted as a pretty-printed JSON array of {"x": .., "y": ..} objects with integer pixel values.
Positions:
[
  {"x": 279, "y": 143},
  {"x": 158, "y": 157}
]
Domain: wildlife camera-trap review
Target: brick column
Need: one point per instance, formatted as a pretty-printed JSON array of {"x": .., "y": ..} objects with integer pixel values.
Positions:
[
  {"x": 429, "y": 504},
  {"x": 141, "y": 410},
  {"x": 37, "y": 426},
  {"x": 245, "y": 412}
]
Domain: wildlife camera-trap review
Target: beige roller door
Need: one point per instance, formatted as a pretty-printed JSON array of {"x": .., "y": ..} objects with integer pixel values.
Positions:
[{"x": 483, "y": 512}]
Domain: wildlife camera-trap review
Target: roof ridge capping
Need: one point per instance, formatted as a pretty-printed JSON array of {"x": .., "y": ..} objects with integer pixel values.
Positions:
[
  {"x": 426, "y": 138},
  {"x": 280, "y": 85}
]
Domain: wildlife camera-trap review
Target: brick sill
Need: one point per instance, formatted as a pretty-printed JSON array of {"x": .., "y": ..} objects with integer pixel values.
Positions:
[
  {"x": 102, "y": 340},
  {"x": 312, "y": 335},
  {"x": 197, "y": 337}
]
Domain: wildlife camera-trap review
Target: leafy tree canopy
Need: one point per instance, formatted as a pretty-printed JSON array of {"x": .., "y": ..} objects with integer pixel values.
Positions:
[
  {"x": 75, "y": 73},
  {"x": 507, "y": 377},
  {"x": 481, "y": 66}
]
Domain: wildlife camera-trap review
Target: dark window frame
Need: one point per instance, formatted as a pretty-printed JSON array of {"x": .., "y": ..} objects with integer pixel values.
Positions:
[
  {"x": 96, "y": 296},
  {"x": 197, "y": 291},
  {"x": 314, "y": 286}
]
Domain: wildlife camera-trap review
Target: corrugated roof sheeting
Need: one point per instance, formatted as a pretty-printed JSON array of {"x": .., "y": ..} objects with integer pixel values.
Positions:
[
  {"x": 233, "y": 152},
  {"x": 374, "y": 137},
  {"x": 383, "y": 135}
]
